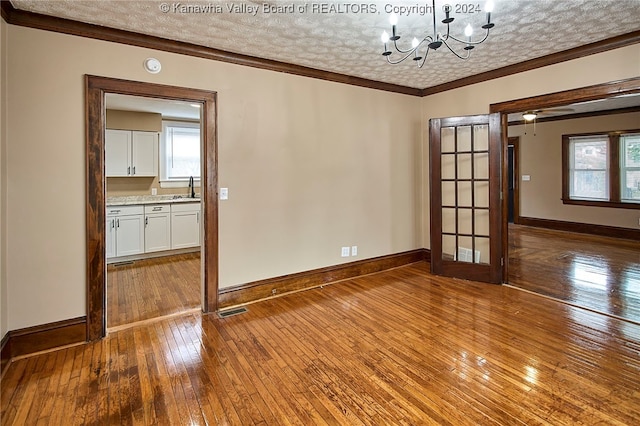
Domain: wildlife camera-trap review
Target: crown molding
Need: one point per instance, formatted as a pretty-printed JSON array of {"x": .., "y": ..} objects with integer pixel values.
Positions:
[
  {"x": 543, "y": 61},
  {"x": 24, "y": 18}
]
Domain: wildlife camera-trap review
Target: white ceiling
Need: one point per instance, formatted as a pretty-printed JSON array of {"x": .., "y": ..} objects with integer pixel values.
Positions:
[
  {"x": 168, "y": 109},
  {"x": 349, "y": 43}
]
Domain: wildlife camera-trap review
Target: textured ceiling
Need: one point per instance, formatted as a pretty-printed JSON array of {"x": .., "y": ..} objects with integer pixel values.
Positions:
[{"x": 344, "y": 36}]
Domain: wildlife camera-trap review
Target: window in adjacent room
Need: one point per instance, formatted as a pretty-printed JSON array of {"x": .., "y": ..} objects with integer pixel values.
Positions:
[
  {"x": 179, "y": 153},
  {"x": 602, "y": 169}
]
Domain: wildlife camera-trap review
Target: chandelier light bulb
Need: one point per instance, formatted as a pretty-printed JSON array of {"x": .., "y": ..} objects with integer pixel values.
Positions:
[
  {"x": 384, "y": 37},
  {"x": 393, "y": 19},
  {"x": 414, "y": 43},
  {"x": 488, "y": 7},
  {"x": 468, "y": 30}
]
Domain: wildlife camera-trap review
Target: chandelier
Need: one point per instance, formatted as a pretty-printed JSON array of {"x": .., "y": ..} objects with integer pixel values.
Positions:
[{"x": 435, "y": 41}]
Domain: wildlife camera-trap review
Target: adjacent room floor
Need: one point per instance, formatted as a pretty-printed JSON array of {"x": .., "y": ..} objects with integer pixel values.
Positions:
[
  {"x": 152, "y": 288},
  {"x": 598, "y": 273}
]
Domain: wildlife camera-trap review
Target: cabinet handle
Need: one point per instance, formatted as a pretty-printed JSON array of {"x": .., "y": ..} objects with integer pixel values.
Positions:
[
  {"x": 117, "y": 223},
  {"x": 134, "y": 170},
  {"x": 146, "y": 221},
  {"x": 114, "y": 211},
  {"x": 113, "y": 223},
  {"x": 129, "y": 170},
  {"x": 156, "y": 209}
]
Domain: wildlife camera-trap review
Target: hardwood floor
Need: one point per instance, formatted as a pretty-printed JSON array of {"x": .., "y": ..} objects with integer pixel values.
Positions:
[
  {"x": 399, "y": 347},
  {"x": 594, "y": 272},
  {"x": 152, "y": 288}
]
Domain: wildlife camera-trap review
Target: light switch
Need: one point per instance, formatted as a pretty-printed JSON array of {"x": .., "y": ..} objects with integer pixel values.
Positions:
[
  {"x": 224, "y": 193},
  {"x": 526, "y": 178}
]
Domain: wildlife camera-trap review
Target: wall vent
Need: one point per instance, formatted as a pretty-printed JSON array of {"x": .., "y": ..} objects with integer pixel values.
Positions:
[{"x": 232, "y": 312}]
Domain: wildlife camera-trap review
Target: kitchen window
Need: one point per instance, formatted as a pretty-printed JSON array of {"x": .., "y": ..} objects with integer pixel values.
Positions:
[
  {"x": 602, "y": 169},
  {"x": 179, "y": 153}
]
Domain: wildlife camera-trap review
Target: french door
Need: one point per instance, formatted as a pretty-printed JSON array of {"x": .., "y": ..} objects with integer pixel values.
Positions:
[{"x": 466, "y": 206}]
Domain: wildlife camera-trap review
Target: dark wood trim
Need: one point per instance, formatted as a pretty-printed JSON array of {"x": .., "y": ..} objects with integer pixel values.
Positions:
[
  {"x": 264, "y": 289},
  {"x": 567, "y": 97},
  {"x": 42, "y": 337},
  {"x": 543, "y": 61},
  {"x": 609, "y": 204},
  {"x": 590, "y": 114},
  {"x": 96, "y": 88},
  {"x": 583, "y": 228},
  {"x": 5, "y": 353},
  {"x": 67, "y": 26},
  {"x": 24, "y": 18}
]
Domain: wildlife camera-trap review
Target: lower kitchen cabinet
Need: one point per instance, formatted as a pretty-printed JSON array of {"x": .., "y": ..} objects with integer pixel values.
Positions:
[
  {"x": 185, "y": 225},
  {"x": 157, "y": 227},
  {"x": 125, "y": 231}
]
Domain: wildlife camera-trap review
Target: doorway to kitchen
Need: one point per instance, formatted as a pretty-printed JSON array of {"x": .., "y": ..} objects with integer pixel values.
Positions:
[
  {"x": 97, "y": 224},
  {"x": 153, "y": 169}
]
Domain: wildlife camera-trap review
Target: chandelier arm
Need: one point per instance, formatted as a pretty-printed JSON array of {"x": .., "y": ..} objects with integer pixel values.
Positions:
[
  {"x": 395, "y": 44},
  {"x": 486, "y": 36},
  {"x": 456, "y": 53},
  {"x": 424, "y": 60},
  {"x": 399, "y": 60}
]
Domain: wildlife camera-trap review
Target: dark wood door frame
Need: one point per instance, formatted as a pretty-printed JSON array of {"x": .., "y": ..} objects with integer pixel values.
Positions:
[
  {"x": 515, "y": 142},
  {"x": 551, "y": 100},
  {"x": 95, "y": 90}
]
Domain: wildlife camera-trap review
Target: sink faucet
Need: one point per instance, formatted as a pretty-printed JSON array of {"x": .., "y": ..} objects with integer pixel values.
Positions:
[{"x": 192, "y": 190}]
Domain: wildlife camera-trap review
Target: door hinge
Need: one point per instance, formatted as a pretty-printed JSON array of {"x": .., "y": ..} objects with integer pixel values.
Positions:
[
  {"x": 500, "y": 195},
  {"x": 502, "y": 261}
]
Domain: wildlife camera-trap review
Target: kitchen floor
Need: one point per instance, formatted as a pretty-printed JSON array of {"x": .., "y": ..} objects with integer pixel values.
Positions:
[{"x": 152, "y": 288}]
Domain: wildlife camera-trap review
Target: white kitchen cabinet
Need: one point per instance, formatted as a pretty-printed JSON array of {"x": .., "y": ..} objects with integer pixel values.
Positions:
[
  {"x": 131, "y": 153},
  {"x": 128, "y": 234},
  {"x": 111, "y": 237},
  {"x": 185, "y": 225},
  {"x": 157, "y": 227}
]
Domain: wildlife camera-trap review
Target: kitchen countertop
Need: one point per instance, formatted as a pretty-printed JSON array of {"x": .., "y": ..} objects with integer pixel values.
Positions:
[{"x": 150, "y": 199}]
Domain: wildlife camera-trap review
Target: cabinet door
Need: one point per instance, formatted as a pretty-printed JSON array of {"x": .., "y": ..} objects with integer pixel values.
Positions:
[
  {"x": 185, "y": 229},
  {"x": 111, "y": 237},
  {"x": 145, "y": 154},
  {"x": 117, "y": 147},
  {"x": 129, "y": 235},
  {"x": 157, "y": 232}
]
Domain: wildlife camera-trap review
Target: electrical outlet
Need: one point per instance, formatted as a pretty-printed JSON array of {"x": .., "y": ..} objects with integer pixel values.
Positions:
[
  {"x": 224, "y": 193},
  {"x": 354, "y": 250},
  {"x": 345, "y": 252}
]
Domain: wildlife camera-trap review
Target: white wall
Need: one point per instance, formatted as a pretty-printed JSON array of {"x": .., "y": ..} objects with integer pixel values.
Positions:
[
  {"x": 310, "y": 165},
  {"x": 604, "y": 67}
]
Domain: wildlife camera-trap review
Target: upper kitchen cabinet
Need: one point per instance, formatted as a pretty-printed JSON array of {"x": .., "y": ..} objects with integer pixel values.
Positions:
[{"x": 131, "y": 153}]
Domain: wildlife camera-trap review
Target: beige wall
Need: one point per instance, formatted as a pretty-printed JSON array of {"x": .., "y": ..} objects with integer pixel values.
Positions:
[
  {"x": 475, "y": 99},
  {"x": 310, "y": 165},
  {"x": 541, "y": 158},
  {"x": 4, "y": 324}
]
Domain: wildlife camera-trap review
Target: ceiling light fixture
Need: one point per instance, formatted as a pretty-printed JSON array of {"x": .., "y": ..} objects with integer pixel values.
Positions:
[
  {"x": 529, "y": 116},
  {"x": 433, "y": 42}
]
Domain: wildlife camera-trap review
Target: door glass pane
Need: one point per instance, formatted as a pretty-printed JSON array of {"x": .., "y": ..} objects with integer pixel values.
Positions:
[
  {"x": 464, "y": 221},
  {"x": 464, "y": 194},
  {"x": 447, "y": 139},
  {"x": 481, "y": 166},
  {"x": 448, "y": 247},
  {"x": 465, "y": 251},
  {"x": 481, "y": 194},
  {"x": 464, "y": 166},
  {"x": 449, "y": 220},
  {"x": 448, "y": 193},
  {"x": 448, "y": 165},
  {"x": 482, "y": 222},
  {"x": 482, "y": 254},
  {"x": 464, "y": 138},
  {"x": 481, "y": 137}
]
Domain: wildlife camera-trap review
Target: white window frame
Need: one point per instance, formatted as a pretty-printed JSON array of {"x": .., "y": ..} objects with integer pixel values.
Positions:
[
  {"x": 166, "y": 182},
  {"x": 572, "y": 149},
  {"x": 624, "y": 168}
]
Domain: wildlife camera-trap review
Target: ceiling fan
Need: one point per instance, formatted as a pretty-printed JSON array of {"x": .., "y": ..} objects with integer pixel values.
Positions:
[{"x": 533, "y": 114}]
